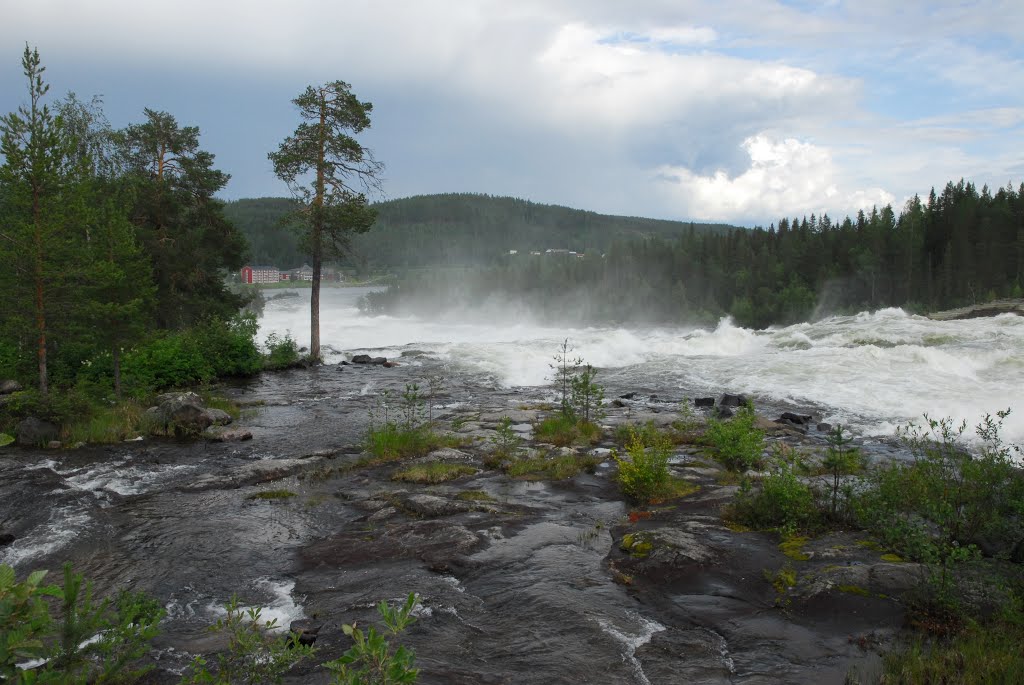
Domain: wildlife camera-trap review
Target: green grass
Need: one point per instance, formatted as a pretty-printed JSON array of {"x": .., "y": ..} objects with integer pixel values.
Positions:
[
  {"x": 563, "y": 431},
  {"x": 474, "y": 496},
  {"x": 391, "y": 442},
  {"x": 272, "y": 495},
  {"x": 434, "y": 472},
  {"x": 981, "y": 654},
  {"x": 552, "y": 468},
  {"x": 793, "y": 547},
  {"x": 224, "y": 404},
  {"x": 108, "y": 424},
  {"x": 781, "y": 580}
]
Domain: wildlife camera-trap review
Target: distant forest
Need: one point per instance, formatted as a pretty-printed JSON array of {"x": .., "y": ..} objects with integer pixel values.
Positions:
[
  {"x": 956, "y": 247},
  {"x": 455, "y": 229}
]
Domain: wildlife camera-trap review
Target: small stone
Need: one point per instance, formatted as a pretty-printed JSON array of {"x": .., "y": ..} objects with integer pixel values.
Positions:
[
  {"x": 53, "y": 445},
  {"x": 306, "y": 630},
  {"x": 6, "y": 539},
  {"x": 703, "y": 401}
]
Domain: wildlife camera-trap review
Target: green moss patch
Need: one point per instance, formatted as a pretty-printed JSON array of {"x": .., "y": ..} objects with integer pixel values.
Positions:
[
  {"x": 793, "y": 547},
  {"x": 474, "y": 496},
  {"x": 637, "y": 545}
]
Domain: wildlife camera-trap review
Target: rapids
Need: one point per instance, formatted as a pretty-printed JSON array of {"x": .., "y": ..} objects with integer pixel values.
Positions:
[{"x": 871, "y": 371}]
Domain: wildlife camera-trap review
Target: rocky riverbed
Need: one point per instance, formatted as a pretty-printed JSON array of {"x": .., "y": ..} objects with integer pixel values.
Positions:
[{"x": 520, "y": 580}]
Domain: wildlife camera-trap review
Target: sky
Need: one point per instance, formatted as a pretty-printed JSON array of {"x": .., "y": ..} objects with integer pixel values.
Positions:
[{"x": 722, "y": 110}]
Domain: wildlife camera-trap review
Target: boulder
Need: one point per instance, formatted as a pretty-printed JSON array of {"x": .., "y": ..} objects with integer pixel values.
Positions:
[
  {"x": 227, "y": 434},
  {"x": 825, "y": 427},
  {"x": 367, "y": 359},
  {"x": 430, "y": 506},
  {"x": 724, "y": 413},
  {"x": 795, "y": 419},
  {"x": 6, "y": 539},
  {"x": 389, "y": 365},
  {"x": 305, "y": 630},
  {"x": 703, "y": 401},
  {"x": 628, "y": 396},
  {"x": 729, "y": 400},
  {"x": 185, "y": 411},
  {"x": 9, "y": 386},
  {"x": 33, "y": 432},
  {"x": 218, "y": 417}
]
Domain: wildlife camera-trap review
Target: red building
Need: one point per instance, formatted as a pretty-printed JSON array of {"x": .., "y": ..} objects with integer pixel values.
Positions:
[{"x": 260, "y": 274}]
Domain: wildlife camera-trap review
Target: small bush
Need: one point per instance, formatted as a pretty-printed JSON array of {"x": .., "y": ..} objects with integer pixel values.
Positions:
[
  {"x": 390, "y": 442},
  {"x": 254, "y": 655},
  {"x": 561, "y": 430},
  {"x": 507, "y": 445},
  {"x": 371, "y": 660},
  {"x": 738, "y": 445},
  {"x": 559, "y": 467},
  {"x": 643, "y": 473},
  {"x": 282, "y": 353},
  {"x": 783, "y": 501}
]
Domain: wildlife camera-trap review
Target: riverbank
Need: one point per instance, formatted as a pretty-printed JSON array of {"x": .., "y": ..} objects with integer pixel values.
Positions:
[{"x": 521, "y": 579}]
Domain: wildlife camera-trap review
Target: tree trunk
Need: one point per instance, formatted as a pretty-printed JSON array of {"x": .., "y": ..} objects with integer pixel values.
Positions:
[{"x": 314, "y": 298}]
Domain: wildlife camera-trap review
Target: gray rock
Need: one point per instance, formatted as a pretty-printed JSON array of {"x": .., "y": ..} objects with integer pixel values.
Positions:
[
  {"x": 219, "y": 417},
  {"x": 6, "y": 539},
  {"x": 263, "y": 471},
  {"x": 184, "y": 411},
  {"x": 824, "y": 427},
  {"x": 704, "y": 401},
  {"x": 729, "y": 400},
  {"x": 33, "y": 432},
  {"x": 382, "y": 515},
  {"x": 228, "y": 434},
  {"x": 53, "y": 445},
  {"x": 9, "y": 386},
  {"x": 432, "y": 506}
]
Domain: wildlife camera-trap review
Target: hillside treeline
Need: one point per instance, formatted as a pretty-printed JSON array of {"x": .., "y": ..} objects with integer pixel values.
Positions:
[
  {"x": 956, "y": 247},
  {"x": 454, "y": 229}
]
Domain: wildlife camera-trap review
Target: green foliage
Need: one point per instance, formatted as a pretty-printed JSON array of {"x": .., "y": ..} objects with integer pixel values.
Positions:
[
  {"x": 840, "y": 460},
  {"x": 433, "y": 472},
  {"x": 371, "y": 660},
  {"x": 643, "y": 472},
  {"x": 282, "y": 352},
  {"x": 388, "y": 439},
  {"x": 211, "y": 350},
  {"x": 566, "y": 367},
  {"x": 85, "y": 641},
  {"x": 737, "y": 444},
  {"x": 254, "y": 656},
  {"x": 937, "y": 508},
  {"x": 507, "y": 444},
  {"x": 561, "y": 430},
  {"x": 587, "y": 395},
  {"x": 982, "y": 654},
  {"x": 552, "y": 467},
  {"x": 783, "y": 501},
  {"x": 273, "y": 495}
]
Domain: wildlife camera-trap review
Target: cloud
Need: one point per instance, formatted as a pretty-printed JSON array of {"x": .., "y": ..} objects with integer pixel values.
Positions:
[{"x": 785, "y": 177}]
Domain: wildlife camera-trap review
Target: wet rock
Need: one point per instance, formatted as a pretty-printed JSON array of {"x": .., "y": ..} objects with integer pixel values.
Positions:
[
  {"x": 184, "y": 411},
  {"x": 628, "y": 396},
  {"x": 729, "y": 400},
  {"x": 723, "y": 412},
  {"x": 432, "y": 541},
  {"x": 431, "y": 506},
  {"x": 789, "y": 417},
  {"x": 6, "y": 539},
  {"x": 383, "y": 514},
  {"x": 306, "y": 630},
  {"x": 669, "y": 551},
  {"x": 9, "y": 386},
  {"x": 389, "y": 364},
  {"x": 367, "y": 359},
  {"x": 228, "y": 435},
  {"x": 704, "y": 401},
  {"x": 53, "y": 445},
  {"x": 263, "y": 471},
  {"x": 513, "y": 415},
  {"x": 618, "y": 403},
  {"x": 33, "y": 432},
  {"x": 824, "y": 427},
  {"x": 694, "y": 655},
  {"x": 219, "y": 417}
]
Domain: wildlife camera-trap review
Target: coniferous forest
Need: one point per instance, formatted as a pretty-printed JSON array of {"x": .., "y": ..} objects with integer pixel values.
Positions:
[{"x": 959, "y": 246}]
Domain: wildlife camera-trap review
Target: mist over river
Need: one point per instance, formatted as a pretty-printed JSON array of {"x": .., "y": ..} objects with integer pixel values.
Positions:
[{"x": 872, "y": 371}]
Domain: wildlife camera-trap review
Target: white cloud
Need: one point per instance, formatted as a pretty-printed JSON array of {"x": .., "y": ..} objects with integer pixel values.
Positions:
[{"x": 785, "y": 177}]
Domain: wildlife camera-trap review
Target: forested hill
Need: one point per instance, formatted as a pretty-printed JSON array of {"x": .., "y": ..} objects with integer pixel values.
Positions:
[{"x": 455, "y": 229}]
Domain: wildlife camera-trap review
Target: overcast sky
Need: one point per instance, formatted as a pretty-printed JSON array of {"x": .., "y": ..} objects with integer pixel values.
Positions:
[{"x": 727, "y": 110}]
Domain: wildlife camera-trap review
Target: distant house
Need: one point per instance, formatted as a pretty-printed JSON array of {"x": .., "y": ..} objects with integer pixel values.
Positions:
[
  {"x": 303, "y": 273},
  {"x": 513, "y": 251},
  {"x": 260, "y": 274}
]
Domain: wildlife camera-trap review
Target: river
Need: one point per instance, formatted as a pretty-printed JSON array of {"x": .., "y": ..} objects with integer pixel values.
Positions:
[{"x": 524, "y": 589}]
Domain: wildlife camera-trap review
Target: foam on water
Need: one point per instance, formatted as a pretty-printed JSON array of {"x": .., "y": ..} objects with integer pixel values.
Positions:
[
  {"x": 871, "y": 371},
  {"x": 632, "y": 640},
  {"x": 64, "y": 525}
]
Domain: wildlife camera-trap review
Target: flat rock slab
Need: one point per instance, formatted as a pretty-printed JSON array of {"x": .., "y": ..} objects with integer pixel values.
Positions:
[
  {"x": 249, "y": 474},
  {"x": 514, "y": 415}
]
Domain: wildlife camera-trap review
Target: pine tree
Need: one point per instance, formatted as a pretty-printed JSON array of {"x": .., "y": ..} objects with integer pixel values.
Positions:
[{"x": 329, "y": 172}]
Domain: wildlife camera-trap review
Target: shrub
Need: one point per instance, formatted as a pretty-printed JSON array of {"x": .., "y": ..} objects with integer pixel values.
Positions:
[
  {"x": 738, "y": 445},
  {"x": 282, "y": 353},
  {"x": 587, "y": 395},
  {"x": 254, "y": 656},
  {"x": 562, "y": 431},
  {"x": 840, "y": 460},
  {"x": 507, "y": 444},
  {"x": 558, "y": 467},
  {"x": 782, "y": 501},
  {"x": 74, "y": 639},
  {"x": 643, "y": 473},
  {"x": 371, "y": 660}
]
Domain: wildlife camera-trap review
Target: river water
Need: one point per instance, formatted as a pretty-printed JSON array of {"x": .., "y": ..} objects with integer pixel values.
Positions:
[
  {"x": 519, "y": 591},
  {"x": 871, "y": 371}
]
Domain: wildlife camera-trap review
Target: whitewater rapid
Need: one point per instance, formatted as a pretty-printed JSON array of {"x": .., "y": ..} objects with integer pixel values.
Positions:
[{"x": 872, "y": 371}]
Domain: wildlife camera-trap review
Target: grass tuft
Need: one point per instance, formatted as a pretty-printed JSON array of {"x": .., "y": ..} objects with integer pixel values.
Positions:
[
  {"x": 433, "y": 472},
  {"x": 272, "y": 495}
]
